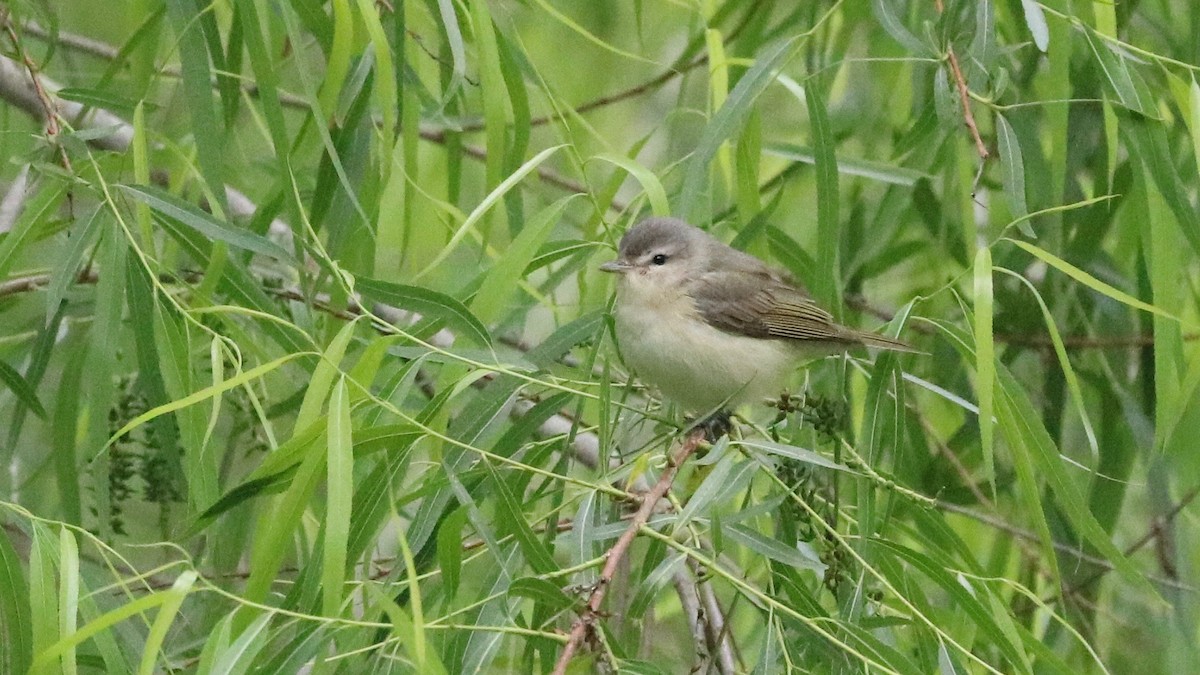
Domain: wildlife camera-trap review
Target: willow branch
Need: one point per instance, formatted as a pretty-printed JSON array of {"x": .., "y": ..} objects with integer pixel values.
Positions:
[{"x": 586, "y": 623}]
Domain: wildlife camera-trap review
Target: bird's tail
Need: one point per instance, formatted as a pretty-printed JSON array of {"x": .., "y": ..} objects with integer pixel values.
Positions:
[{"x": 881, "y": 342}]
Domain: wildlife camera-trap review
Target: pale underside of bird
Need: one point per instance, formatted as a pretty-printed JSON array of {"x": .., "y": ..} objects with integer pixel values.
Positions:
[{"x": 712, "y": 327}]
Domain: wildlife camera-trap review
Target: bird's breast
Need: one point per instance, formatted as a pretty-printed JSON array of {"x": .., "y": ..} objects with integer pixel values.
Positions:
[{"x": 669, "y": 345}]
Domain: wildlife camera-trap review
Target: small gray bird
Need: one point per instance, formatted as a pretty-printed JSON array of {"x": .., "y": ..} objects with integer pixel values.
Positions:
[{"x": 712, "y": 327}]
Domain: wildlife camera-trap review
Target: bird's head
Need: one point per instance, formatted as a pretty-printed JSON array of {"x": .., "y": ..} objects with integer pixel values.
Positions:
[{"x": 659, "y": 255}]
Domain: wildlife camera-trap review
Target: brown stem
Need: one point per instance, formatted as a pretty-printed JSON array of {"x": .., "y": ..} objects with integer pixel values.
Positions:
[
  {"x": 965, "y": 98},
  {"x": 586, "y": 623},
  {"x": 49, "y": 109}
]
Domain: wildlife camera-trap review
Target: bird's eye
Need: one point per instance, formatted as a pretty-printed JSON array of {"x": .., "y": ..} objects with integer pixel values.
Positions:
[{"x": 660, "y": 259}]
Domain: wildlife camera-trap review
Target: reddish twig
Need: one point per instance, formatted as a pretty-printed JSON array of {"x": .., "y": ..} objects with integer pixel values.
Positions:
[
  {"x": 49, "y": 108},
  {"x": 961, "y": 83},
  {"x": 586, "y": 623},
  {"x": 965, "y": 99}
]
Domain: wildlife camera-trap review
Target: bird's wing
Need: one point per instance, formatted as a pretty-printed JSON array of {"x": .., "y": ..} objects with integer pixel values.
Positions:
[{"x": 762, "y": 304}]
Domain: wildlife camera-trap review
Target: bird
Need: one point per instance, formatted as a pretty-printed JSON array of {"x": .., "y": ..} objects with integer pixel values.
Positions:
[{"x": 712, "y": 327}]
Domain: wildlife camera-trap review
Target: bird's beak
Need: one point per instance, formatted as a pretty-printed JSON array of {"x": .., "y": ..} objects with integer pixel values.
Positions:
[{"x": 616, "y": 266}]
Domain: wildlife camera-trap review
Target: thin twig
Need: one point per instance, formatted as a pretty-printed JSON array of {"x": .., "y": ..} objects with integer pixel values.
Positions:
[
  {"x": 1151, "y": 534},
  {"x": 1073, "y": 551},
  {"x": 964, "y": 95},
  {"x": 965, "y": 98},
  {"x": 586, "y": 623},
  {"x": 49, "y": 109}
]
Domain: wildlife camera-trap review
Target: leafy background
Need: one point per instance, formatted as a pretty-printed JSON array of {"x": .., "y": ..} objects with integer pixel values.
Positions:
[{"x": 306, "y": 361}]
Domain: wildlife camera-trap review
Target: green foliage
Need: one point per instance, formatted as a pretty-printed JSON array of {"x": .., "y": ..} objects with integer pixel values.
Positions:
[{"x": 305, "y": 362}]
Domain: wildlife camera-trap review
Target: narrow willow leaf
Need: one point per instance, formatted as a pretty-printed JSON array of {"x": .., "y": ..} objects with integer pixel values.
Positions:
[
  {"x": 650, "y": 183},
  {"x": 427, "y": 302},
  {"x": 167, "y": 614},
  {"x": 66, "y": 273},
  {"x": 649, "y": 585},
  {"x": 1013, "y": 167},
  {"x": 727, "y": 120},
  {"x": 1091, "y": 281},
  {"x": 885, "y": 12},
  {"x": 39, "y": 211},
  {"x": 702, "y": 498},
  {"x": 559, "y": 342},
  {"x": 50, "y": 654},
  {"x": 202, "y": 395},
  {"x": 385, "y": 79},
  {"x": 241, "y": 654},
  {"x": 170, "y": 206},
  {"x": 403, "y": 630},
  {"x": 454, "y": 40},
  {"x": 882, "y": 172},
  {"x": 21, "y": 389},
  {"x": 771, "y": 548},
  {"x": 1029, "y": 436},
  {"x": 966, "y": 599},
  {"x": 1194, "y": 118},
  {"x": 277, "y": 526},
  {"x": 323, "y": 377},
  {"x": 496, "y": 114},
  {"x": 68, "y": 595},
  {"x": 206, "y": 129},
  {"x": 449, "y": 548},
  {"x": 1035, "y": 20},
  {"x": 1064, "y": 362},
  {"x": 796, "y": 453},
  {"x": 1148, "y": 142},
  {"x": 16, "y": 638},
  {"x": 557, "y": 250},
  {"x": 826, "y": 286},
  {"x": 337, "y": 64},
  {"x": 1131, "y": 91},
  {"x": 217, "y": 643},
  {"x": 542, "y": 592},
  {"x": 485, "y": 205},
  {"x": 489, "y": 303},
  {"x": 512, "y": 519},
  {"x": 339, "y": 491},
  {"x": 106, "y": 99},
  {"x": 985, "y": 358}
]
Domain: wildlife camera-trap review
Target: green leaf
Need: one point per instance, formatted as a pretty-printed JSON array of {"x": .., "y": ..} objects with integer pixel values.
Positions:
[
  {"x": 826, "y": 286},
  {"x": 500, "y": 282},
  {"x": 16, "y": 639},
  {"x": 427, "y": 302},
  {"x": 170, "y": 206},
  {"x": 484, "y": 206},
  {"x": 796, "y": 453},
  {"x": 1013, "y": 168},
  {"x": 1129, "y": 87},
  {"x": 771, "y": 548},
  {"x": 104, "y": 99},
  {"x": 338, "y": 499},
  {"x": 727, "y": 120},
  {"x": 1091, "y": 281},
  {"x": 19, "y": 387},
  {"x": 985, "y": 358},
  {"x": 883, "y": 172},
  {"x": 1035, "y": 20},
  {"x": 450, "y": 549},
  {"x": 512, "y": 519},
  {"x": 650, "y": 183},
  {"x": 39, "y": 211},
  {"x": 1027, "y": 435},
  {"x": 167, "y": 614},
  {"x": 541, "y": 592}
]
